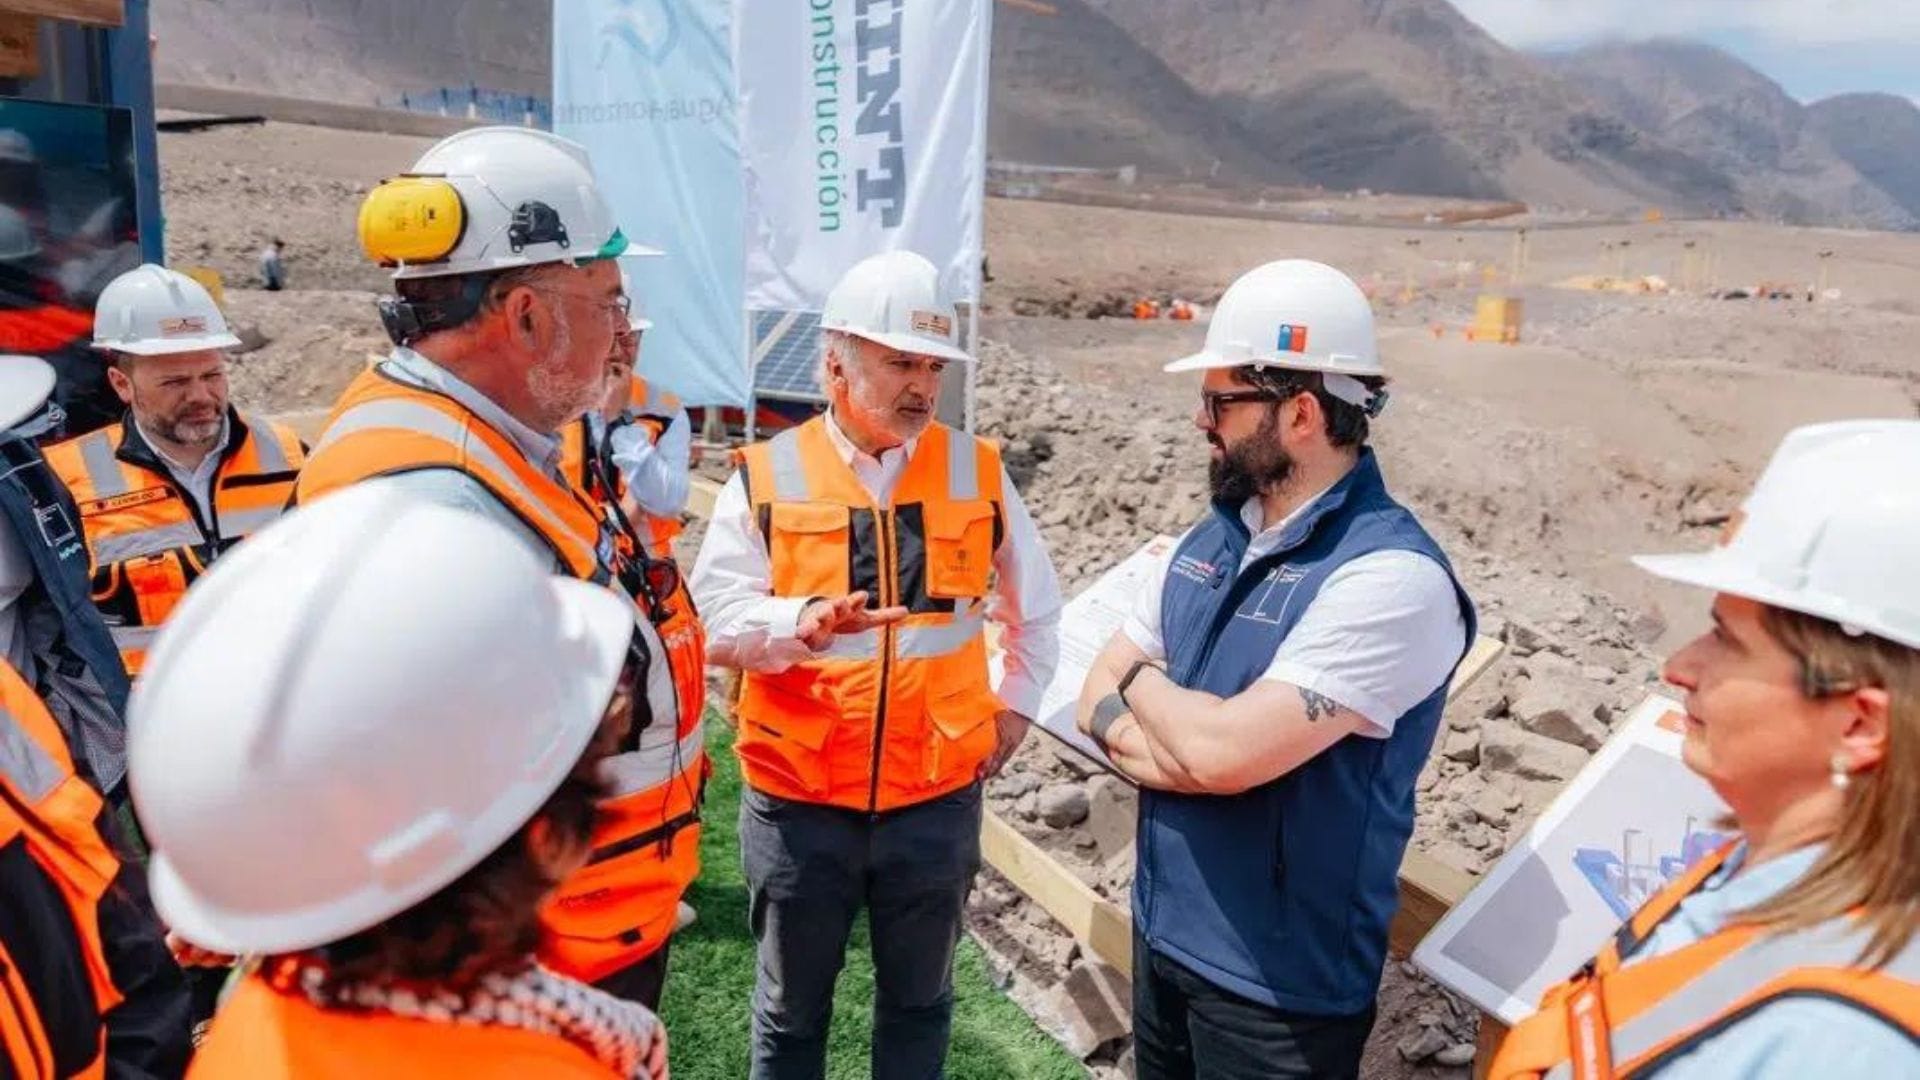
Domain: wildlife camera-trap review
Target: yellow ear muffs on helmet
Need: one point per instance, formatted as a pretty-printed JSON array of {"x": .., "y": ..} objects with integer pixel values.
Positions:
[{"x": 412, "y": 219}]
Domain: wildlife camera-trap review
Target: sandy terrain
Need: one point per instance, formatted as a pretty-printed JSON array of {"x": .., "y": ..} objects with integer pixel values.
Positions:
[{"x": 1622, "y": 423}]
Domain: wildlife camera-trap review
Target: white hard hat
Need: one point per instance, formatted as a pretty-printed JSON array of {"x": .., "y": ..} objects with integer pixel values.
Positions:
[
  {"x": 1830, "y": 530},
  {"x": 1299, "y": 315},
  {"x": 153, "y": 311},
  {"x": 526, "y": 197},
  {"x": 25, "y": 384},
  {"x": 17, "y": 241},
  {"x": 894, "y": 298},
  {"x": 353, "y": 709}
]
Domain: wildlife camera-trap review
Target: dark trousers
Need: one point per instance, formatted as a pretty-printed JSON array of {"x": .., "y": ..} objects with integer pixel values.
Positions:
[
  {"x": 809, "y": 871},
  {"x": 643, "y": 982},
  {"x": 1186, "y": 1028}
]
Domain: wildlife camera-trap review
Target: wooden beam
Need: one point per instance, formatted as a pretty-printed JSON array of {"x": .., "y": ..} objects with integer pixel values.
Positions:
[
  {"x": 19, "y": 46},
  {"x": 1487, "y": 1044},
  {"x": 1035, "y": 6},
  {"x": 90, "y": 12},
  {"x": 702, "y": 493},
  {"x": 1428, "y": 890},
  {"x": 1478, "y": 660},
  {"x": 1102, "y": 926}
]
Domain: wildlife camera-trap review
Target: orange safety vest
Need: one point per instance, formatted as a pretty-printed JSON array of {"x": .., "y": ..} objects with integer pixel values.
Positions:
[
  {"x": 146, "y": 535},
  {"x": 902, "y": 714},
  {"x": 620, "y": 908},
  {"x": 651, "y": 408},
  {"x": 47, "y": 816},
  {"x": 266, "y": 1033},
  {"x": 1612, "y": 1021}
]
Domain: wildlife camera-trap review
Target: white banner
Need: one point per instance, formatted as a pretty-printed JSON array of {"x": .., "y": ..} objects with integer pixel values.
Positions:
[
  {"x": 647, "y": 86},
  {"x": 862, "y": 129}
]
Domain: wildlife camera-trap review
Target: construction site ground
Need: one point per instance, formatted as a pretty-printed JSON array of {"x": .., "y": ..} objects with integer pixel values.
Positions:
[{"x": 1623, "y": 421}]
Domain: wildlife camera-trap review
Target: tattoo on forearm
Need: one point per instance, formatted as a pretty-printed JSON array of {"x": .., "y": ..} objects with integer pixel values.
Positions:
[{"x": 1318, "y": 705}]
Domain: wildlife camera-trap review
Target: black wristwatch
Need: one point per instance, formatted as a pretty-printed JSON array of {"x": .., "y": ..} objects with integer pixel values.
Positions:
[{"x": 1127, "y": 679}]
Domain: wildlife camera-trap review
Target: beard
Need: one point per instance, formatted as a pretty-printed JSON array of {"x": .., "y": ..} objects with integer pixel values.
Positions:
[
  {"x": 187, "y": 427},
  {"x": 1253, "y": 466},
  {"x": 561, "y": 395}
]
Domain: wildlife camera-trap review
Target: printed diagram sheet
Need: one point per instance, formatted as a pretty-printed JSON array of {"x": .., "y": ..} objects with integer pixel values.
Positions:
[
  {"x": 1088, "y": 622},
  {"x": 1634, "y": 819}
]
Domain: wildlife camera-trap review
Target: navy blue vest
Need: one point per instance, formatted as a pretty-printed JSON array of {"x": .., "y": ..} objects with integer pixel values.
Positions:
[{"x": 1282, "y": 894}]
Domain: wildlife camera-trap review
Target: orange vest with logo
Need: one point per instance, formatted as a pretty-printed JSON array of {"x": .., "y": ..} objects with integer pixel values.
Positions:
[
  {"x": 146, "y": 534},
  {"x": 1611, "y": 1020},
  {"x": 262, "y": 1033},
  {"x": 620, "y": 908},
  {"x": 58, "y": 971},
  {"x": 901, "y": 714},
  {"x": 653, "y": 410}
]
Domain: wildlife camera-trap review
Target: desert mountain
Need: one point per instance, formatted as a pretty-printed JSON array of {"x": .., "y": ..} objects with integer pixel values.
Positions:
[{"x": 1879, "y": 135}]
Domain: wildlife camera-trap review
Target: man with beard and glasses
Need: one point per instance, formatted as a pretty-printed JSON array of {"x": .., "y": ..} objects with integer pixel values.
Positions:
[
  {"x": 504, "y": 257},
  {"x": 1275, "y": 693},
  {"x": 184, "y": 476},
  {"x": 850, "y": 570}
]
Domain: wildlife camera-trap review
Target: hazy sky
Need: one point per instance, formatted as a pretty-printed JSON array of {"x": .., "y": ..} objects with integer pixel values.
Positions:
[{"x": 1814, "y": 48}]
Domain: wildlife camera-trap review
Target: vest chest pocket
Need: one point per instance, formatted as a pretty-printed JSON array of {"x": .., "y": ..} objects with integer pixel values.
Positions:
[
  {"x": 959, "y": 549},
  {"x": 158, "y": 582},
  {"x": 809, "y": 546}
]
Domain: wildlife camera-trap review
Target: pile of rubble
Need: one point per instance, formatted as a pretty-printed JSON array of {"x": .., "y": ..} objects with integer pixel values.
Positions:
[{"x": 1102, "y": 470}]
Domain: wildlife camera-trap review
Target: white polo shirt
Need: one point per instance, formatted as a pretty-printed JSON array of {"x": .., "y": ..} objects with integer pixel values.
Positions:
[{"x": 1384, "y": 632}]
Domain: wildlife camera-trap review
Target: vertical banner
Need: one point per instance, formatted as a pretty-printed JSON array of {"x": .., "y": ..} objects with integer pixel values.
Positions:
[
  {"x": 647, "y": 87},
  {"x": 862, "y": 129}
]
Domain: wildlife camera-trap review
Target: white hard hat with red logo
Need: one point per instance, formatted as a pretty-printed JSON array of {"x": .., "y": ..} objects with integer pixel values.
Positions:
[
  {"x": 153, "y": 311},
  {"x": 1830, "y": 531},
  {"x": 1299, "y": 315},
  {"x": 895, "y": 299}
]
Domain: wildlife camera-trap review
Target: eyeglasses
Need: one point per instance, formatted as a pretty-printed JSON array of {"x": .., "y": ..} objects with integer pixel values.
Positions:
[
  {"x": 617, "y": 308},
  {"x": 1215, "y": 400}
]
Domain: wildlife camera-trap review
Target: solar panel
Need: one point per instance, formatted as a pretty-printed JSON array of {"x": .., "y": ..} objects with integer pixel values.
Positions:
[{"x": 786, "y": 351}]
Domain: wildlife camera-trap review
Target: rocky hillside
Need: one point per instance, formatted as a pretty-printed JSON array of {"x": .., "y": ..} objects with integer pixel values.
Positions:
[
  {"x": 1878, "y": 134},
  {"x": 1738, "y": 121}
]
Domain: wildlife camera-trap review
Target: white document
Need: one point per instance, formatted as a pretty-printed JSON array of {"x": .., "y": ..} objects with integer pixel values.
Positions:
[
  {"x": 1634, "y": 819},
  {"x": 1087, "y": 623}
]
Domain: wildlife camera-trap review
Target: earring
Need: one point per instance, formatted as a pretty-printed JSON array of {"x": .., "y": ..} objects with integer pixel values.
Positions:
[{"x": 1842, "y": 771}]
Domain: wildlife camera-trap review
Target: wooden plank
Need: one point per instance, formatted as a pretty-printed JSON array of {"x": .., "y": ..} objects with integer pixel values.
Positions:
[
  {"x": 19, "y": 46},
  {"x": 1101, "y": 925},
  {"x": 1038, "y": 7},
  {"x": 1478, "y": 660},
  {"x": 1486, "y": 1044},
  {"x": 90, "y": 12},
  {"x": 702, "y": 493},
  {"x": 1428, "y": 889}
]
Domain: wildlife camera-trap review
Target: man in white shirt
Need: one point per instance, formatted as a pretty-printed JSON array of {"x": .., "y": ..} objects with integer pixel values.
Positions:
[
  {"x": 849, "y": 571},
  {"x": 1275, "y": 694}
]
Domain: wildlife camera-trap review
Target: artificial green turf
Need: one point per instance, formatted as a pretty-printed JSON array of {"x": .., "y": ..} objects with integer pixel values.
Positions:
[{"x": 709, "y": 995}]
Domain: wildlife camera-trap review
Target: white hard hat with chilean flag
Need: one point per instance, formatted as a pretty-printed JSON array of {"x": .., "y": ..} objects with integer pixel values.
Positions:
[{"x": 1299, "y": 315}]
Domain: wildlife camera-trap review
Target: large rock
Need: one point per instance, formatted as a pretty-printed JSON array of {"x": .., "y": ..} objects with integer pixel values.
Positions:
[
  {"x": 1507, "y": 748},
  {"x": 1064, "y": 805},
  {"x": 1094, "y": 1005},
  {"x": 1462, "y": 746},
  {"x": 1558, "y": 702}
]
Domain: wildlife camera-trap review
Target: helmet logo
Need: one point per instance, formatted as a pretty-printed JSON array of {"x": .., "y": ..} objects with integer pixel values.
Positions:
[
  {"x": 1292, "y": 338},
  {"x": 929, "y": 322},
  {"x": 534, "y": 222},
  {"x": 183, "y": 325}
]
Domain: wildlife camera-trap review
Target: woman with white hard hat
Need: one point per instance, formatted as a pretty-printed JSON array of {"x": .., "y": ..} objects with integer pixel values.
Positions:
[
  {"x": 369, "y": 775},
  {"x": 1795, "y": 951}
]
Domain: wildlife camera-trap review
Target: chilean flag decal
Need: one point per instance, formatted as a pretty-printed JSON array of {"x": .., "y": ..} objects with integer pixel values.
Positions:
[{"x": 1292, "y": 338}]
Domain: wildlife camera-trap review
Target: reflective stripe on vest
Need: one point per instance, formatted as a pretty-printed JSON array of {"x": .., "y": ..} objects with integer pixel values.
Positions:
[
  {"x": 897, "y": 715},
  {"x": 617, "y": 910},
  {"x": 50, "y": 809},
  {"x": 1616, "y": 1020},
  {"x": 147, "y": 539}
]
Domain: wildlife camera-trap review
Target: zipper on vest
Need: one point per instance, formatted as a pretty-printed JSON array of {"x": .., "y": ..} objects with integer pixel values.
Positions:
[{"x": 889, "y": 586}]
